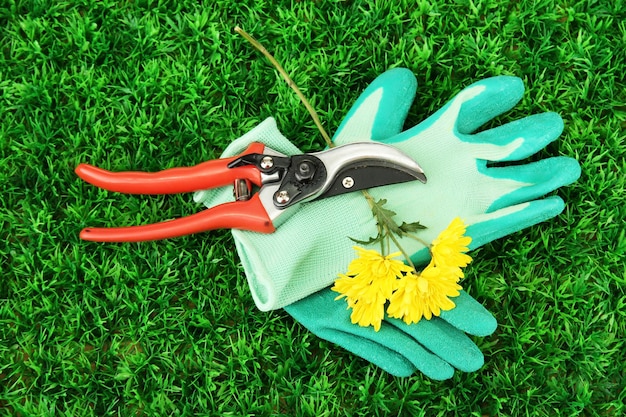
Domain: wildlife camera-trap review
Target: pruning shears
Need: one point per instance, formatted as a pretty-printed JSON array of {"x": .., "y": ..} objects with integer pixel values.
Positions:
[{"x": 267, "y": 186}]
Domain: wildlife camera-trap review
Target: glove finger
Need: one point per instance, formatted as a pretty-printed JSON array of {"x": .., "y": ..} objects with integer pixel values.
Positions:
[
  {"x": 539, "y": 178},
  {"x": 387, "y": 359},
  {"x": 487, "y": 227},
  {"x": 449, "y": 343},
  {"x": 401, "y": 360},
  {"x": 487, "y": 99},
  {"x": 389, "y": 348},
  {"x": 380, "y": 110},
  {"x": 470, "y": 316},
  {"x": 467, "y": 111},
  {"x": 519, "y": 139}
]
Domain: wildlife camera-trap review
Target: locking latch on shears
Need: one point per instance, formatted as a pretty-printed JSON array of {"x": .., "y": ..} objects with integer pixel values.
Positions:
[{"x": 267, "y": 186}]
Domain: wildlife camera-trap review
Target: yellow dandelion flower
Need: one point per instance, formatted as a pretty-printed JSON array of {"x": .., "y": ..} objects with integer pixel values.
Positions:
[
  {"x": 359, "y": 289},
  {"x": 449, "y": 247},
  {"x": 368, "y": 314},
  {"x": 365, "y": 297},
  {"x": 423, "y": 295},
  {"x": 372, "y": 264},
  {"x": 349, "y": 287},
  {"x": 371, "y": 280}
]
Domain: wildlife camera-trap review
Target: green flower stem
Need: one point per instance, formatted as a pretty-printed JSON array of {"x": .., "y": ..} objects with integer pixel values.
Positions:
[
  {"x": 420, "y": 240},
  {"x": 406, "y": 255},
  {"x": 390, "y": 235},
  {"x": 370, "y": 201},
  {"x": 289, "y": 81}
]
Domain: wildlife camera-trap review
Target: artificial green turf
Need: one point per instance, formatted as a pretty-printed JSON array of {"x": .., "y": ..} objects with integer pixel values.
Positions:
[{"x": 169, "y": 328}]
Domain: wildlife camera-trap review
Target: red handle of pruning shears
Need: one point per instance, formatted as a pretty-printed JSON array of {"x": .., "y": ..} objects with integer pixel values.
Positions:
[
  {"x": 206, "y": 175},
  {"x": 247, "y": 215}
]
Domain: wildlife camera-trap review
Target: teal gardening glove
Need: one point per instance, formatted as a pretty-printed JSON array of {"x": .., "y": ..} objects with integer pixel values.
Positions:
[{"x": 494, "y": 201}]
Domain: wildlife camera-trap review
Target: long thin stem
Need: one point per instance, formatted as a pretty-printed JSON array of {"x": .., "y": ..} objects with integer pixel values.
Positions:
[
  {"x": 370, "y": 201},
  {"x": 406, "y": 255},
  {"x": 420, "y": 240},
  {"x": 289, "y": 81},
  {"x": 369, "y": 198}
]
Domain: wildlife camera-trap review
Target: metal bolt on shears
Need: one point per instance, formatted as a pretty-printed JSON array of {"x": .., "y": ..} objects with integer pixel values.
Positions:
[{"x": 283, "y": 182}]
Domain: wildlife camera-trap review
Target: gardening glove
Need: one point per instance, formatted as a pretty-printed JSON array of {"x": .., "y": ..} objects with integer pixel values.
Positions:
[
  {"x": 307, "y": 251},
  {"x": 434, "y": 347},
  {"x": 396, "y": 348}
]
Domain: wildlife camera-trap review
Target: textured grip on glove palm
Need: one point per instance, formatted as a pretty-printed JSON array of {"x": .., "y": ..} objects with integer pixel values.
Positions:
[{"x": 434, "y": 347}]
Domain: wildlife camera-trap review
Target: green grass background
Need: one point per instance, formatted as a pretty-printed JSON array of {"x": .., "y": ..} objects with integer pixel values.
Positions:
[{"x": 169, "y": 328}]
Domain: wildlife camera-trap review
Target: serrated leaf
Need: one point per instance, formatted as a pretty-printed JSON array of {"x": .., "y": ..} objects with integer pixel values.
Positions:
[
  {"x": 379, "y": 208},
  {"x": 375, "y": 239},
  {"x": 386, "y": 224},
  {"x": 385, "y": 217},
  {"x": 411, "y": 227}
]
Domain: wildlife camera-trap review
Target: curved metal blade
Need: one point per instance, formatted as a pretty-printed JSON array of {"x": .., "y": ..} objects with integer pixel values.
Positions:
[{"x": 361, "y": 165}]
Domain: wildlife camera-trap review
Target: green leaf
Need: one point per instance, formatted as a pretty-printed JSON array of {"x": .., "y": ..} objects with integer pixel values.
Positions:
[
  {"x": 374, "y": 239},
  {"x": 385, "y": 216},
  {"x": 412, "y": 227}
]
